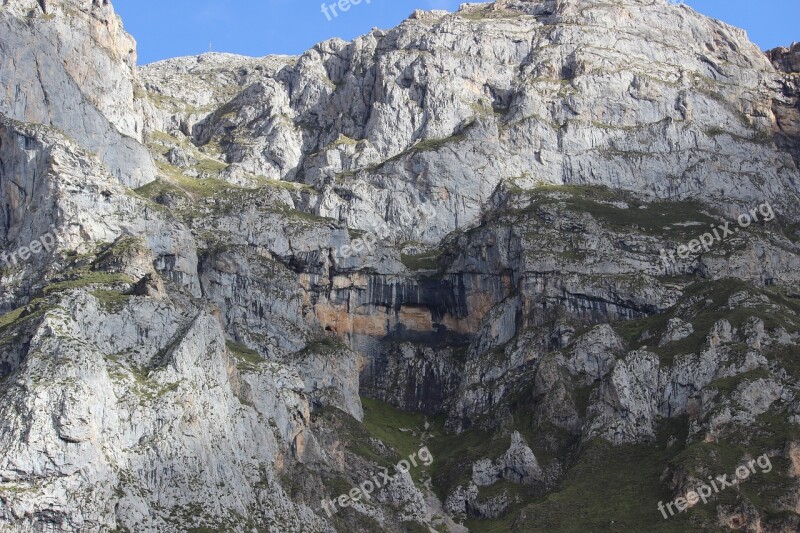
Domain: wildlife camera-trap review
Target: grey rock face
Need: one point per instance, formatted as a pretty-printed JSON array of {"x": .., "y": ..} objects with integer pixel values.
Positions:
[
  {"x": 786, "y": 59},
  {"x": 69, "y": 64},
  {"x": 184, "y": 91},
  {"x": 56, "y": 187},
  {"x": 629, "y": 401},
  {"x": 677, "y": 330},
  {"x": 112, "y": 382},
  {"x": 192, "y": 353},
  {"x": 595, "y": 354},
  {"x": 400, "y": 119},
  {"x": 118, "y": 418},
  {"x": 518, "y": 465}
]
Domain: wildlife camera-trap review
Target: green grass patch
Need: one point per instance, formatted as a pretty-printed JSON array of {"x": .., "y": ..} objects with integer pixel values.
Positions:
[
  {"x": 788, "y": 358},
  {"x": 84, "y": 278},
  {"x": 454, "y": 455},
  {"x": 211, "y": 165},
  {"x": 663, "y": 218},
  {"x": 704, "y": 303},
  {"x": 12, "y": 317},
  {"x": 771, "y": 432},
  {"x": 356, "y": 438},
  {"x": 489, "y": 14},
  {"x": 399, "y": 429},
  {"x": 324, "y": 344},
  {"x": 581, "y": 396},
  {"x": 159, "y": 188},
  {"x": 424, "y": 261},
  {"x": 302, "y": 216},
  {"x": 112, "y": 302},
  {"x": 516, "y": 495},
  {"x": 195, "y": 187},
  {"x": 430, "y": 145},
  {"x": 246, "y": 359},
  {"x": 632, "y": 331},
  {"x": 166, "y": 139},
  {"x": 726, "y": 386},
  {"x": 413, "y": 527},
  {"x": 124, "y": 246},
  {"x": 609, "y": 489},
  {"x": 344, "y": 140},
  {"x": 144, "y": 385},
  {"x": 291, "y": 186},
  {"x": 34, "y": 309}
]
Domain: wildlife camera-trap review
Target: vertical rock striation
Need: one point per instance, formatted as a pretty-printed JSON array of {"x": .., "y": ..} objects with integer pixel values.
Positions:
[{"x": 69, "y": 64}]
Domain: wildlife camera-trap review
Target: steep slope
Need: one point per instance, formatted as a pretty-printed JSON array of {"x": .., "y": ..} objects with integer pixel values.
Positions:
[
  {"x": 463, "y": 233},
  {"x": 441, "y": 109},
  {"x": 69, "y": 64},
  {"x": 787, "y": 109}
]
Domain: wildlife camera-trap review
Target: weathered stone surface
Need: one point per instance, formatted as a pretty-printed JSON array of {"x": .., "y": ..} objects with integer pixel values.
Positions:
[
  {"x": 51, "y": 186},
  {"x": 465, "y": 217},
  {"x": 677, "y": 330},
  {"x": 786, "y": 59},
  {"x": 166, "y": 425},
  {"x": 518, "y": 465},
  {"x": 396, "y": 119},
  {"x": 69, "y": 64}
]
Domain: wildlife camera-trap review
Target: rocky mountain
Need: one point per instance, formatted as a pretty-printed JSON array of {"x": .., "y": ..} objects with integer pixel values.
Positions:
[
  {"x": 70, "y": 65},
  {"x": 544, "y": 251}
]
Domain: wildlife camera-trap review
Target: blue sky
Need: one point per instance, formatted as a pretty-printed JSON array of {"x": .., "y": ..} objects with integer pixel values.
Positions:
[{"x": 170, "y": 28}]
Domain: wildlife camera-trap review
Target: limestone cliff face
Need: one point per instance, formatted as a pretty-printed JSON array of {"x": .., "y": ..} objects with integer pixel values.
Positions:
[
  {"x": 69, "y": 64},
  {"x": 787, "y": 108},
  {"x": 252, "y": 263},
  {"x": 52, "y": 187},
  {"x": 645, "y": 96}
]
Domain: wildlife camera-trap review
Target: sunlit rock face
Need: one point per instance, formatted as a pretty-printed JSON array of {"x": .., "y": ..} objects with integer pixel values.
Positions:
[
  {"x": 69, "y": 64},
  {"x": 643, "y": 96},
  {"x": 235, "y": 289}
]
